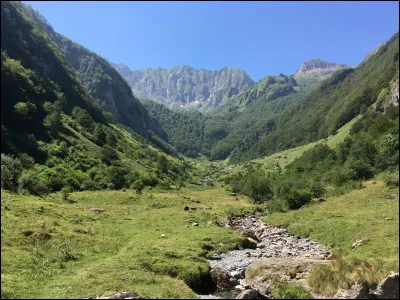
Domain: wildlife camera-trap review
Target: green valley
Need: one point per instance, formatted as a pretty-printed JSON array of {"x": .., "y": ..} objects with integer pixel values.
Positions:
[{"x": 116, "y": 180}]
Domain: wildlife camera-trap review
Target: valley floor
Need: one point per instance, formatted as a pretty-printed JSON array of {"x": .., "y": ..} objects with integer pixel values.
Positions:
[{"x": 103, "y": 242}]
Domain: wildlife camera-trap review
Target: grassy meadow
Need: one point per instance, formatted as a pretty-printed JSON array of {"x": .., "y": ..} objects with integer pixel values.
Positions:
[
  {"x": 370, "y": 214},
  {"x": 59, "y": 248}
]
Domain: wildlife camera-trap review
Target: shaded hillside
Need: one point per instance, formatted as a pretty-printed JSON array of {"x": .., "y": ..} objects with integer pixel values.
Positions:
[
  {"x": 54, "y": 133},
  {"x": 186, "y": 87},
  {"x": 102, "y": 81}
]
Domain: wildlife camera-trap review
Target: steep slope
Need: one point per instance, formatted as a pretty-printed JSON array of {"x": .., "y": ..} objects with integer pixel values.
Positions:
[
  {"x": 253, "y": 113},
  {"x": 186, "y": 87},
  {"x": 332, "y": 104},
  {"x": 54, "y": 134},
  {"x": 102, "y": 81},
  {"x": 243, "y": 118}
]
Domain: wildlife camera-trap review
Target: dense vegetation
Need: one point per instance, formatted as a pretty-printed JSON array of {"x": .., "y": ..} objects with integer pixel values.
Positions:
[
  {"x": 72, "y": 134},
  {"x": 331, "y": 105},
  {"x": 55, "y": 135},
  {"x": 371, "y": 148}
]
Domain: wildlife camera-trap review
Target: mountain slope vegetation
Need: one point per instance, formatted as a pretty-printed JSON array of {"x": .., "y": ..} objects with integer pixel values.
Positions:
[{"x": 55, "y": 135}]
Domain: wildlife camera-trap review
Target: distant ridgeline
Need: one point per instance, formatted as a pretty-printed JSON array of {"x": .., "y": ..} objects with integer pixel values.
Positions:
[
  {"x": 186, "y": 87},
  {"x": 281, "y": 112}
]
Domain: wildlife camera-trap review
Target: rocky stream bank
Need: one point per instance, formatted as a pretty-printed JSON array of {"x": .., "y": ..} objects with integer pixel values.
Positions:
[{"x": 280, "y": 255}]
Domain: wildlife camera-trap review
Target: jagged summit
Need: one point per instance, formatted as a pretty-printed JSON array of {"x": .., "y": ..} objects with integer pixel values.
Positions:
[{"x": 185, "y": 86}]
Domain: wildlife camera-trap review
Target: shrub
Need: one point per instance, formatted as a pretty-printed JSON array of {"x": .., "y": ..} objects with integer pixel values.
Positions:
[
  {"x": 108, "y": 154},
  {"x": 83, "y": 117},
  {"x": 317, "y": 189},
  {"x": 298, "y": 197},
  {"x": 117, "y": 176},
  {"x": 26, "y": 161},
  {"x": 88, "y": 185},
  {"x": 276, "y": 205},
  {"x": 11, "y": 169},
  {"x": 391, "y": 180},
  {"x": 30, "y": 183},
  {"x": 258, "y": 187},
  {"x": 138, "y": 186},
  {"x": 65, "y": 191},
  {"x": 360, "y": 169}
]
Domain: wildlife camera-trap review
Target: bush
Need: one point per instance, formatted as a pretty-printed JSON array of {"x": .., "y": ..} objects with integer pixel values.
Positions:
[
  {"x": 276, "y": 205},
  {"x": 117, "y": 176},
  {"x": 258, "y": 187},
  {"x": 298, "y": 197},
  {"x": 108, "y": 154},
  {"x": 88, "y": 185},
  {"x": 65, "y": 191},
  {"x": 317, "y": 189},
  {"x": 26, "y": 161},
  {"x": 30, "y": 183},
  {"x": 138, "y": 186},
  {"x": 11, "y": 169},
  {"x": 391, "y": 180},
  {"x": 360, "y": 169}
]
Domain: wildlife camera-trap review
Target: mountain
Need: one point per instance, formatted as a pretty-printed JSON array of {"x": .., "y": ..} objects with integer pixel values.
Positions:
[
  {"x": 186, "y": 87},
  {"x": 54, "y": 133},
  {"x": 313, "y": 71},
  {"x": 333, "y": 103},
  {"x": 101, "y": 81},
  {"x": 374, "y": 51},
  {"x": 243, "y": 118}
]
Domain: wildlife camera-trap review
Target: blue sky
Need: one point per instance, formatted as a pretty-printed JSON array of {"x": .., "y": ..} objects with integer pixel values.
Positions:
[{"x": 263, "y": 38}]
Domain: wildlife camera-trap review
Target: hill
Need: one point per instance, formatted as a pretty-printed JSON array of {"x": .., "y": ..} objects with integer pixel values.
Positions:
[{"x": 55, "y": 135}]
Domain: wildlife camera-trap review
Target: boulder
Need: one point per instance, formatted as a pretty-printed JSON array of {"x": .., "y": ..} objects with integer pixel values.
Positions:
[
  {"x": 248, "y": 294},
  {"x": 249, "y": 243},
  {"x": 388, "y": 288},
  {"x": 186, "y": 207},
  {"x": 220, "y": 277}
]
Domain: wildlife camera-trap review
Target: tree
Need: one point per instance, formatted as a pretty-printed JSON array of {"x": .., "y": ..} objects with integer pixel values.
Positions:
[
  {"x": 163, "y": 163},
  {"x": 99, "y": 134},
  {"x": 25, "y": 109},
  {"x": 83, "y": 117}
]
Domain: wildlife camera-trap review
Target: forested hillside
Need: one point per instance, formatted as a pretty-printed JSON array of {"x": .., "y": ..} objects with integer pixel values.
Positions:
[
  {"x": 332, "y": 104},
  {"x": 101, "y": 81},
  {"x": 55, "y": 135}
]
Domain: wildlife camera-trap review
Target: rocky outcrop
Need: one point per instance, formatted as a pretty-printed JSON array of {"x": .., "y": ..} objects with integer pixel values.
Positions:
[
  {"x": 185, "y": 86},
  {"x": 313, "y": 65}
]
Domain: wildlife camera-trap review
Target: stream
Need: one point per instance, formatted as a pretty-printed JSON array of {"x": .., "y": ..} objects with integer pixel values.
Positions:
[{"x": 264, "y": 242}]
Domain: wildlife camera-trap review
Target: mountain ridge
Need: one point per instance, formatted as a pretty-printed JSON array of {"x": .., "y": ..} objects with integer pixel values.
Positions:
[{"x": 185, "y": 86}]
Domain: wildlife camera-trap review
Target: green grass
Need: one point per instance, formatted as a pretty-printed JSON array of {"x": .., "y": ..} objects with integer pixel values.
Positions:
[
  {"x": 285, "y": 157},
  {"x": 359, "y": 215},
  {"x": 284, "y": 290},
  {"x": 54, "y": 249}
]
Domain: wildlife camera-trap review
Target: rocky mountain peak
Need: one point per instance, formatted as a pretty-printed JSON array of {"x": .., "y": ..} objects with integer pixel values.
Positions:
[
  {"x": 317, "y": 64},
  {"x": 187, "y": 87},
  {"x": 122, "y": 69}
]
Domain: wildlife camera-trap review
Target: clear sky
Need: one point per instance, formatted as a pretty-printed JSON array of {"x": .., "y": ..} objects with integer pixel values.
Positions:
[{"x": 263, "y": 38}]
